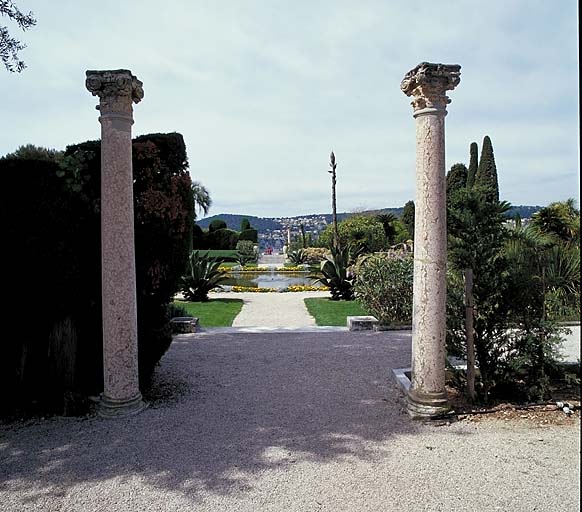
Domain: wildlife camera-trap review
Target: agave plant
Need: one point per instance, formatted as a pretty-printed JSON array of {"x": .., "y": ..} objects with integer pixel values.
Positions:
[
  {"x": 336, "y": 275},
  {"x": 204, "y": 276},
  {"x": 297, "y": 257}
]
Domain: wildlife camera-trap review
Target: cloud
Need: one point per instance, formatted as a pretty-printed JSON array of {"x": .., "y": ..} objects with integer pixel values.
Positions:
[{"x": 263, "y": 90}]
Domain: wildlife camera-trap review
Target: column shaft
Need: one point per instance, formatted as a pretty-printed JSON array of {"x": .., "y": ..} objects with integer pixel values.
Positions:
[
  {"x": 117, "y": 90},
  {"x": 427, "y": 84}
]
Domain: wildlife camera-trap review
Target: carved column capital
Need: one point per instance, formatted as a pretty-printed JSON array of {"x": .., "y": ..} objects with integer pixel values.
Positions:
[
  {"x": 427, "y": 83},
  {"x": 117, "y": 89}
]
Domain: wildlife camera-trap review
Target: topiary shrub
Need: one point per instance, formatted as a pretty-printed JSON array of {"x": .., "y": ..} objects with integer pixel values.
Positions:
[
  {"x": 384, "y": 286},
  {"x": 245, "y": 224},
  {"x": 315, "y": 255},
  {"x": 222, "y": 239},
  {"x": 246, "y": 252},
  {"x": 251, "y": 234},
  {"x": 216, "y": 224},
  {"x": 61, "y": 232}
]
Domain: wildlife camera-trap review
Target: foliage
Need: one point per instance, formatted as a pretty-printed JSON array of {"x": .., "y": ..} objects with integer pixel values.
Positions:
[
  {"x": 486, "y": 176},
  {"x": 388, "y": 221},
  {"x": 201, "y": 197},
  {"x": 407, "y": 218},
  {"x": 213, "y": 313},
  {"x": 329, "y": 312},
  {"x": 473, "y": 164},
  {"x": 175, "y": 310},
  {"x": 245, "y": 224},
  {"x": 204, "y": 275},
  {"x": 63, "y": 231},
  {"x": 297, "y": 257},
  {"x": 314, "y": 255},
  {"x": 32, "y": 152},
  {"x": 216, "y": 224},
  {"x": 358, "y": 232},
  {"x": 384, "y": 286},
  {"x": 223, "y": 239},
  {"x": 559, "y": 219},
  {"x": 456, "y": 178},
  {"x": 9, "y": 46},
  {"x": 335, "y": 274},
  {"x": 246, "y": 252},
  {"x": 251, "y": 234}
]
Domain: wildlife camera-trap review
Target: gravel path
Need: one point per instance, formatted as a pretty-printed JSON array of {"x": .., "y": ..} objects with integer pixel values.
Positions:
[
  {"x": 284, "y": 422},
  {"x": 284, "y": 310}
]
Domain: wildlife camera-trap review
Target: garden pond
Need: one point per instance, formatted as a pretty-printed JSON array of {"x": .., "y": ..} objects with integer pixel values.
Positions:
[{"x": 270, "y": 279}]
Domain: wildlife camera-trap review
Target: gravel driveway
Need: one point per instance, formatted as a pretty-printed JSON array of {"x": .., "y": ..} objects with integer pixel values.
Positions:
[{"x": 284, "y": 422}]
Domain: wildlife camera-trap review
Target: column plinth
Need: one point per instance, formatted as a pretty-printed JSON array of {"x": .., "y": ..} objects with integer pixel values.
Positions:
[
  {"x": 117, "y": 91},
  {"x": 427, "y": 84}
]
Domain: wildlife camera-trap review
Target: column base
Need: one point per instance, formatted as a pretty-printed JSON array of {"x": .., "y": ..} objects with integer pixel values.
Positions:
[
  {"x": 114, "y": 408},
  {"x": 426, "y": 405}
]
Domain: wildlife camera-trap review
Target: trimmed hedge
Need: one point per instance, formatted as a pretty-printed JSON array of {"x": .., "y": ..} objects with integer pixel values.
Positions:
[
  {"x": 250, "y": 234},
  {"x": 53, "y": 246}
]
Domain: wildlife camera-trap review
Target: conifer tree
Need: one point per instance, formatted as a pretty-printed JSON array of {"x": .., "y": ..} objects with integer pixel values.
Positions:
[
  {"x": 486, "y": 177},
  {"x": 407, "y": 217},
  {"x": 473, "y": 163},
  {"x": 456, "y": 178}
]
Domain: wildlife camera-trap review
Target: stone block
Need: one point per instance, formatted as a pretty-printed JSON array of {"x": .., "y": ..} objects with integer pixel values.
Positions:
[
  {"x": 184, "y": 324},
  {"x": 361, "y": 323}
]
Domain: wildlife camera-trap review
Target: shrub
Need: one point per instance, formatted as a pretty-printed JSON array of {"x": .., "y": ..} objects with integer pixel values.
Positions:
[
  {"x": 297, "y": 257},
  {"x": 245, "y": 224},
  {"x": 204, "y": 275},
  {"x": 251, "y": 234},
  {"x": 315, "y": 255},
  {"x": 217, "y": 224},
  {"x": 176, "y": 310},
  {"x": 222, "y": 239},
  {"x": 246, "y": 252},
  {"x": 384, "y": 286},
  {"x": 361, "y": 233},
  {"x": 336, "y": 275},
  {"x": 62, "y": 233}
]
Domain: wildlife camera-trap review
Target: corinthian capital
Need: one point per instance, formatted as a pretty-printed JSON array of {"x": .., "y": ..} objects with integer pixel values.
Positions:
[
  {"x": 117, "y": 89},
  {"x": 427, "y": 84}
]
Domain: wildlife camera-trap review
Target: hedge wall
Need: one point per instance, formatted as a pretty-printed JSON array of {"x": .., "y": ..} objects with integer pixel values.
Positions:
[{"x": 53, "y": 243}]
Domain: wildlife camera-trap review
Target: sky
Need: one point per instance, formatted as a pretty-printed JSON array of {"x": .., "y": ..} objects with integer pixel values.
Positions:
[{"x": 263, "y": 90}]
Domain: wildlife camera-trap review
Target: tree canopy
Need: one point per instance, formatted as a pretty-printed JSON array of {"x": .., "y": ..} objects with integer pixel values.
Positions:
[{"x": 9, "y": 46}]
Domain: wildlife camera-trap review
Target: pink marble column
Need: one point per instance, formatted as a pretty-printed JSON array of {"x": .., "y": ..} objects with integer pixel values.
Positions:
[
  {"x": 427, "y": 83},
  {"x": 117, "y": 91}
]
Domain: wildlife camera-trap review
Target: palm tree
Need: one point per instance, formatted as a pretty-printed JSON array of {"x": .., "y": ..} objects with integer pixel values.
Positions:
[{"x": 202, "y": 201}]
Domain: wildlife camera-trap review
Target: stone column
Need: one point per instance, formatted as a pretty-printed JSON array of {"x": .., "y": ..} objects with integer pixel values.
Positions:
[
  {"x": 117, "y": 90},
  {"x": 427, "y": 83}
]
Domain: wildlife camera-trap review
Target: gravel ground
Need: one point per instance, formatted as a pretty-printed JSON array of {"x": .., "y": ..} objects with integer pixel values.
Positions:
[{"x": 285, "y": 422}]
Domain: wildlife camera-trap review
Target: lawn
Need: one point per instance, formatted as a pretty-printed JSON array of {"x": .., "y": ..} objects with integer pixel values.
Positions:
[
  {"x": 215, "y": 312},
  {"x": 333, "y": 312}
]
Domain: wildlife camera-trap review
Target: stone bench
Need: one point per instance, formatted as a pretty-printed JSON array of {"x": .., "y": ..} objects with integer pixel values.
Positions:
[
  {"x": 361, "y": 323},
  {"x": 184, "y": 324}
]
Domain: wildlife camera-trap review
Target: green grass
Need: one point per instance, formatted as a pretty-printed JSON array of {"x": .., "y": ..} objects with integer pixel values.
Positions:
[
  {"x": 333, "y": 312},
  {"x": 215, "y": 312}
]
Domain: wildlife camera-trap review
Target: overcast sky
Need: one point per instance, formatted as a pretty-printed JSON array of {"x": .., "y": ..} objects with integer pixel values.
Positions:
[{"x": 263, "y": 90}]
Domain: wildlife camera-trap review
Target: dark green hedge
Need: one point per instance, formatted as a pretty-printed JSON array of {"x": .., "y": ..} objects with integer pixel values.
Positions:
[
  {"x": 250, "y": 234},
  {"x": 52, "y": 240}
]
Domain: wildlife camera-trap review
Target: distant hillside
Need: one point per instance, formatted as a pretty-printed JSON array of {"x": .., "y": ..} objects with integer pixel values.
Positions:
[
  {"x": 264, "y": 224},
  {"x": 233, "y": 221}
]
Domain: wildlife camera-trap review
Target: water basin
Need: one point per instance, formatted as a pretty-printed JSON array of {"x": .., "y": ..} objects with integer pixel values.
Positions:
[{"x": 270, "y": 279}]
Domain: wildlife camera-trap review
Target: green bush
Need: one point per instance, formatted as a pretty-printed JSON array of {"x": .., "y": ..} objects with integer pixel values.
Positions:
[
  {"x": 222, "y": 239},
  {"x": 315, "y": 255},
  {"x": 246, "y": 252},
  {"x": 384, "y": 287},
  {"x": 250, "y": 234},
  {"x": 217, "y": 224},
  {"x": 297, "y": 257},
  {"x": 245, "y": 224},
  {"x": 361, "y": 233},
  {"x": 336, "y": 275},
  {"x": 202, "y": 277},
  {"x": 58, "y": 227}
]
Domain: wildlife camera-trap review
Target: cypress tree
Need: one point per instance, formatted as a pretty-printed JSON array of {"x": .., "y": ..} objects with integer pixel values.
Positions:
[
  {"x": 407, "y": 217},
  {"x": 486, "y": 177},
  {"x": 456, "y": 178},
  {"x": 473, "y": 162}
]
